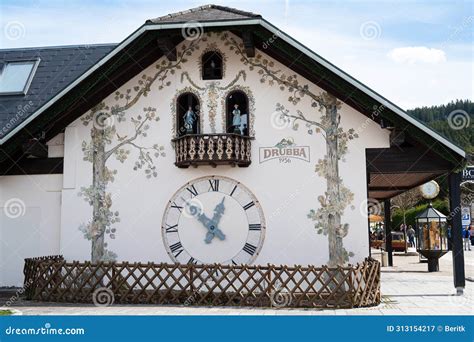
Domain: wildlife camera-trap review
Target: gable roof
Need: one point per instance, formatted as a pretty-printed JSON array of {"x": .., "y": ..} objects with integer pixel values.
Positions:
[
  {"x": 286, "y": 49},
  {"x": 57, "y": 68},
  {"x": 204, "y": 13}
]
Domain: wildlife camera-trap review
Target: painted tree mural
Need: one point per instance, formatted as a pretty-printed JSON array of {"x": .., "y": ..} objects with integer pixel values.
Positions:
[
  {"x": 107, "y": 142},
  {"x": 337, "y": 197}
]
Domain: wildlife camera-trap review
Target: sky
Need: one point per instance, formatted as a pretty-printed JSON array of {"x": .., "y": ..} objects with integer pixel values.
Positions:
[{"x": 414, "y": 53}]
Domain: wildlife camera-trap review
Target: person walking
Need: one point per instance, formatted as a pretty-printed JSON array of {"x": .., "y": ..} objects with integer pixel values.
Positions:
[
  {"x": 411, "y": 236},
  {"x": 450, "y": 239},
  {"x": 467, "y": 239}
]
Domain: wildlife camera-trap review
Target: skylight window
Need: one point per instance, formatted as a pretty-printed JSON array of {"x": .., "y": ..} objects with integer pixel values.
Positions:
[{"x": 16, "y": 76}]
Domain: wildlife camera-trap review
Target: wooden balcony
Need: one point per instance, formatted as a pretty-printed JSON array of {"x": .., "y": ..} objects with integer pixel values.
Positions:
[{"x": 212, "y": 149}]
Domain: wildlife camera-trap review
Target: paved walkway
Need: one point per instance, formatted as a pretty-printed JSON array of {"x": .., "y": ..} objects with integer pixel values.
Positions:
[{"x": 407, "y": 288}]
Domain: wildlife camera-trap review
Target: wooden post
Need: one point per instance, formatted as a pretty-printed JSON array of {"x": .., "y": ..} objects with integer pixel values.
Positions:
[
  {"x": 368, "y": 213},
  {"x": 388, "y": 231},
  {"x": 456, "y": 231}
]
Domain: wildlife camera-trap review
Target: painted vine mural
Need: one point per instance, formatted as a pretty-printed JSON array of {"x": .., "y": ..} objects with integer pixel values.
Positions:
[
  {"x": 107, "y": 142},
  {"x": 337, "y": 197}
]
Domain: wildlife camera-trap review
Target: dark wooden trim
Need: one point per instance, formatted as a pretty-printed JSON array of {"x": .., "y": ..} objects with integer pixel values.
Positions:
[
  {"x": 390, "y": 188},
  {"x": 367, "y": 177},
  {"x": 249, "y": 45},
  {"x": 396, "y": 160},
  {"x": 203, "y": 149},
  {"x": 397, "y": 190},
  {"x": 33, "y": 166},
  {"x": 459, "y": 275},
  {"x": 404, "y": 188},
  {"x": 35, "y": 148},
  {"x": 167, "y": 48},
  {"x": 397, "y": 137},
  {"x": 388, "y": 231}
]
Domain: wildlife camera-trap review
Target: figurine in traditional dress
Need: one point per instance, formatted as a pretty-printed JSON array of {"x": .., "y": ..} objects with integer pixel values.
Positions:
[
  {"x": 189, "y": 120},
  {"x": 236, "y": 119}
]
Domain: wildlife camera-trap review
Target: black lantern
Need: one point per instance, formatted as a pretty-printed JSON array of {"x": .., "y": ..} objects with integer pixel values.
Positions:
[{"x": 432, "y": 236}]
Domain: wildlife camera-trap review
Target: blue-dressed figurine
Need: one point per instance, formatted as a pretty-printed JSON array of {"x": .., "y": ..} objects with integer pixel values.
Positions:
[{"x": 189, "y": 120}]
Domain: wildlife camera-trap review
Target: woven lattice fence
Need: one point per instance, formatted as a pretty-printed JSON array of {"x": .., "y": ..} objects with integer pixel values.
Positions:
[{"x": 54, "y": 279}]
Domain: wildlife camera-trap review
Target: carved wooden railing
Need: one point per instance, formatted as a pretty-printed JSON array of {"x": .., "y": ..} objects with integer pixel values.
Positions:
[
  {"x": 213, "y": 149},
  {"x": 57, "y": 280}
]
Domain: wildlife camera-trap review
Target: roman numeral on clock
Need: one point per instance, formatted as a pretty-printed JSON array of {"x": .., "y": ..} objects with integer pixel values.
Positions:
[
  {"x": 255, "y": 226},
  {"x": 176, "y": 248},
  {"x": 192, "y": 261},
  {"x": 250, "y": 249},
  {"x": 192, "y": 190},
  {"x": 171, "y": 229},
  {"x": 214, "y": 184},
  {"x": 249, "y": 205},
  {"x": 175, "y": 206}
]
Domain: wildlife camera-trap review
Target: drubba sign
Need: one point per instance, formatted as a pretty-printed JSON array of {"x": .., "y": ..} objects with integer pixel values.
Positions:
[{"x": 284, "y": 151}]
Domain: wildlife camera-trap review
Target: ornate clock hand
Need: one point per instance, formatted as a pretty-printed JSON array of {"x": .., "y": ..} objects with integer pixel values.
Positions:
[
  {"x": 213, "y": 231},
  {"x": 218, "y": 212},
  {"x": 195, "y": 211},
  {"x": 206, "y": 222}
]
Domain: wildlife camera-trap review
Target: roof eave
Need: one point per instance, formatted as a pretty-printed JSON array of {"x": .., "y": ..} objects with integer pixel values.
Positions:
[{"x": 243, "y": 22}]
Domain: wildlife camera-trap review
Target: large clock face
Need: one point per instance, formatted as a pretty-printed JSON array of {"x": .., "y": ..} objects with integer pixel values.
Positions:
[{"x": 213, "y": 220}]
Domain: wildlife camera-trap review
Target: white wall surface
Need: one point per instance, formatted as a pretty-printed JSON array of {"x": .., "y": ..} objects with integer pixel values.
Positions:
[
  {"x": 286, "y": 191},
  {"x": 29, "y": 222}
]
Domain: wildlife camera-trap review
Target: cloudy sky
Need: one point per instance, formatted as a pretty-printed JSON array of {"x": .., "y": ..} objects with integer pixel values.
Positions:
[{"x": 414, "y": 53}]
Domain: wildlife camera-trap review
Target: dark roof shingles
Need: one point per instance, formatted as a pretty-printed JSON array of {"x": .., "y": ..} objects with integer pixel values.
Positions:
[
  {"x": 205, "y": 13},
  {"x": 58, "y": 67}
]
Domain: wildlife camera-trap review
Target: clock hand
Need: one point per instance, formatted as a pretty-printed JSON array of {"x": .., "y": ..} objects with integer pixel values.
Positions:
[
  {"x": 206, "y": 222},
  {"x": 218, "y": 212},
  {"x": 213, "y": 231}
]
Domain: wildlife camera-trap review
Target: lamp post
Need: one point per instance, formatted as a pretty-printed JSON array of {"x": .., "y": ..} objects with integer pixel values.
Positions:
[{"x": 432, "y": 236}]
